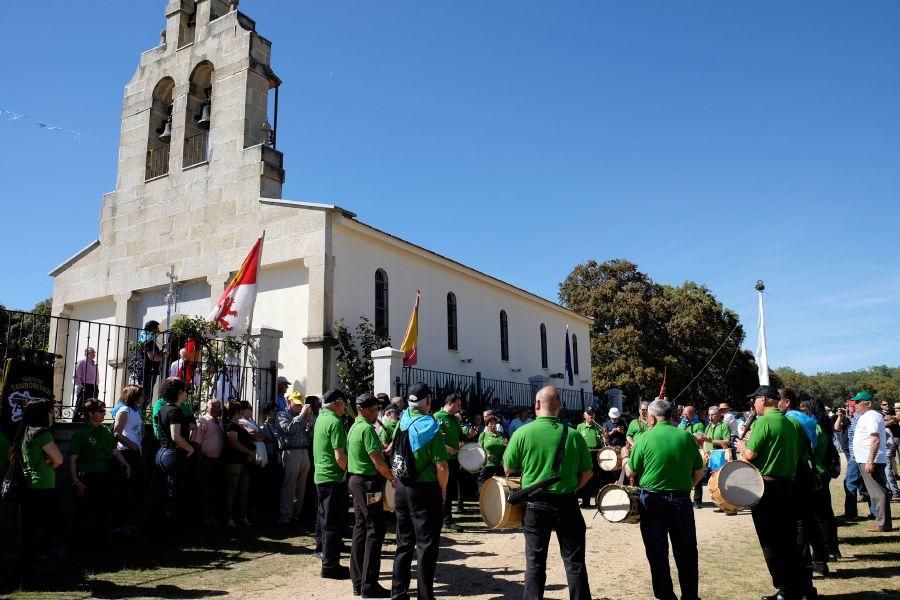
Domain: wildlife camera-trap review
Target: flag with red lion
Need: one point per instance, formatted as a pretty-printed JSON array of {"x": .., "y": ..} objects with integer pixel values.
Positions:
[{"x": 234, "y": 310}]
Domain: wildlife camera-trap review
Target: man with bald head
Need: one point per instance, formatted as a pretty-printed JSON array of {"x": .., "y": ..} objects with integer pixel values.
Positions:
[{"x": 532, "y": 451}]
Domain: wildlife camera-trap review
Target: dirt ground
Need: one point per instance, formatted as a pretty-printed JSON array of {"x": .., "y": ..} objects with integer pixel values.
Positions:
[{"x": 480, "y": 564}]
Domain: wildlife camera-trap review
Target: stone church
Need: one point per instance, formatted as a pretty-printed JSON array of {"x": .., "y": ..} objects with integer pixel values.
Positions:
[{"x": 200, "y": 178}]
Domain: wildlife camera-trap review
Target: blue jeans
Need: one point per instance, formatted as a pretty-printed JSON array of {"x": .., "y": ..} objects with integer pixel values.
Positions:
[
  {"x": 171, "y": 468},
  {"x": 666, "y": 516}
]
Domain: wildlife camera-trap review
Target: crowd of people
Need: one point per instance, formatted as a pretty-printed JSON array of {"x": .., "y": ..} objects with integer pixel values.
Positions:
[{"x": 224, "y": 469}]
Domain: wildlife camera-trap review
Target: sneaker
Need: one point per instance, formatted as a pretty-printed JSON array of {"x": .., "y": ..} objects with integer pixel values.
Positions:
[{"x": 376, "y": 592}]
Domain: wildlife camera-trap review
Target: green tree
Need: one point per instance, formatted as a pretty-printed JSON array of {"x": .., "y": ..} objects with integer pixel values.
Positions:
[
  {"x": 356, "y": 371},
  {"x": 25, "y": 329}
]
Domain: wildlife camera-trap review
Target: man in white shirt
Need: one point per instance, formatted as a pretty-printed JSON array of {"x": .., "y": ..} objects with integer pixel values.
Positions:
[
  {"x": 180, "y": 367},
  {"x": 870, "y": 452}
]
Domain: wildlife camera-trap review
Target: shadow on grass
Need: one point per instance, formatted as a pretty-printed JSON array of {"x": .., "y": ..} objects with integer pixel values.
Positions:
[
  {"x": 870, "y": 540},
  {"x": 868, "y": 571},
  {"x": 108, "y": 589},
  {"x": 869, "y": 595}
]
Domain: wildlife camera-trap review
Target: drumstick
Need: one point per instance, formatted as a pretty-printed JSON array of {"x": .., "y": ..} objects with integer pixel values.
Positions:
[{"x": 750, "y": 418}]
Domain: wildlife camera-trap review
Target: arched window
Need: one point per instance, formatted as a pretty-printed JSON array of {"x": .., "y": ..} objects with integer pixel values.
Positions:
[
  {"x": 452, "y": 339},
  {"x": 159, "y": 134},
  {"x": 575, "y": 354},
  {"x": 544, "y": 361},
  {"x": 197, "y": 118},
  {"x": 381, "y": 302},
  {"x": 504, "y": 336}
]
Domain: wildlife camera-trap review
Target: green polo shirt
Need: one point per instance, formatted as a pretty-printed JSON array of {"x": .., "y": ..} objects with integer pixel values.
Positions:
[
  {"x": 328, "y": 435},
  {"x": 430, "y": 454},
  {"x": 692, "y": 428},
  {"x": 665, "y": 459},
  {"x": 361, "y": 441},
  {"x": 4, "y": 454},
  {"x": 38, "y": 474},
  {"x": 636, "y": 428},
  {"x": 451, "y": 429},
  {"x": 774, "y": 438},
  {"x": 532, "y": 449},
  {"x": 493, "y": 444},
  {"x": 94, "y": 447},
  {"x": 592, "y": 433},
  {"x": 387, "y": 432},
  {"x": 717, "y": 432},
  {"x": 821, "y": 451}
]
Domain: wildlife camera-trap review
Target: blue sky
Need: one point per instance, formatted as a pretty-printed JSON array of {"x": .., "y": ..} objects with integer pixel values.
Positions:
[{"x": 721, "y": 142}]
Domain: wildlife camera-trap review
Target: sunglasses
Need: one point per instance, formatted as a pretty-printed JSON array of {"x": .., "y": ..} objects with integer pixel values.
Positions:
[{"x": 97, "y": 410}]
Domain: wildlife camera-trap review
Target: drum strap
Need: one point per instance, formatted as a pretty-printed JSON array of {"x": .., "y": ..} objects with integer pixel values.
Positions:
[{"x": 532, "y": 490}]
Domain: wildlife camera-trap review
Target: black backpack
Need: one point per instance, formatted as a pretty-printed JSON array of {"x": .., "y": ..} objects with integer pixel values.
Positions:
[{"x": 403, "y": 460}]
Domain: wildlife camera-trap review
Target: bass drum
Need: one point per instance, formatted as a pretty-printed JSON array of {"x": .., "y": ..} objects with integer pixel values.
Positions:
[
  {"x": 496, "y": 511},
  {"x": 736, "y": 486},
  {"x": 610, "y": 459},
  {"x": 387, "y": 498},
  {"x": 619, "y": 503},
  {"x": 472, "y": 458}
]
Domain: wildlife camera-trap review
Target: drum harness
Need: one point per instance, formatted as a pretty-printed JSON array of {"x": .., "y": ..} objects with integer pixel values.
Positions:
[{"x": 525, "y": 494}]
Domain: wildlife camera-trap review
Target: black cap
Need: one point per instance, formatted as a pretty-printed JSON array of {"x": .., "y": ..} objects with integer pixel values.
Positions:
[
  {"x": 391, "y": 408},
  {"x": 418, "y": 391},
  {"x": 589, "y": 411},
  {"x": 333, "y": 395},
  {"x": 367, "y": 400},
  {"x": 766, "y": 391}
]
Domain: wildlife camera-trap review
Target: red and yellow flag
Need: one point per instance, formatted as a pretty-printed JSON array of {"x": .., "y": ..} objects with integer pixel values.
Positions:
[
  {"x": 234, "y": 309},
  {"x": 410, "y": 345}
]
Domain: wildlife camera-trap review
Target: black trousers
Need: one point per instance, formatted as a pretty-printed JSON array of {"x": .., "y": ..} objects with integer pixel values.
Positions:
[
  {"x": 368, "y": 532},
  {"x": 593, "y": 486},
  {"x": 92, "y": 523},
  {"x": 810, "y": 537},
  {"x": 332, "y": 509},
  {"x": 824, "y": 514},
  {"x": 560, "y": 514},
  {"x": 452, "y": 489},
  {"x": 418, "y": 513},
  {"x": 38, "y": 523},
  {"x": 87, "y": 391},
  {"x": 775, "y": 520},
  {"x": 131, "y": 491},
  {"x": 664, "y": 517},
  {"x": 486, "y": 474}
]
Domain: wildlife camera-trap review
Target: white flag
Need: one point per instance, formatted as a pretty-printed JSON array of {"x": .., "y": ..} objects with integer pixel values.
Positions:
[
  {"x": 762, "y": 358},
  {"x": 234, "y": 309}
]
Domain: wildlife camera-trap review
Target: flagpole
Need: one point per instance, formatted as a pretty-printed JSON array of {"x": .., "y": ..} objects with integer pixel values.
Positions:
[{"x": 762, "y": 356}]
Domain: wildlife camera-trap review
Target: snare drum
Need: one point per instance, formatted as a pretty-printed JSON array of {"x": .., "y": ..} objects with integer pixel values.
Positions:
[
  {"x": 472, "y": 458},
  {"x": 387, "y": 498},
  {"x": 610, "y": 458},
  {"x": 496, "y": 511},
  {"x": 619, "y": 503},
  {"x": 736, "y": 486}
]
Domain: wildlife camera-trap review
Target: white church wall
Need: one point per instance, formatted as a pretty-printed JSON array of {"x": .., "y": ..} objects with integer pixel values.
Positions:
[
  {"x": 193, "y": 300},
  {"x": 479, "y": 302},
  {"x": 282, "y": 303}
]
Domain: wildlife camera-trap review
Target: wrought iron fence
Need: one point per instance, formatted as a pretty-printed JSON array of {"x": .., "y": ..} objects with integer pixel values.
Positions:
[
  {"x": 479, "y": 392},
  {"x": 196, "y": 149},
  {"x": 221, "y": 368}
]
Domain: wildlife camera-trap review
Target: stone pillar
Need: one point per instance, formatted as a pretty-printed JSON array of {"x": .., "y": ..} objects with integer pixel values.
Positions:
[
  {"x": 388, "y": 363},
  {"x": 319, "y": 318},
  {"x": 203, "y": 9},
  {"x": 264, "y": 347}
]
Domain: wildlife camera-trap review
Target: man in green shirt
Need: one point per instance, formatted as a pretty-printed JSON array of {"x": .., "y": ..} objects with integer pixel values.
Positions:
[
  {"x": 637, "y": 426},
  {"x": 773, "y": 448},
  {"x": 388, "y": 425},
  {"x": 418, "y": 507},
  {"x": 531, "y": 452},
  {"x": 368, "y": 473},
  {"x": 451, "y": 429},
  {"x": 592, "y": 433},
  {"x": 330, "y": 460},
  {"x": 715, "y": 436},
  {"x": 668, "y": 464}
]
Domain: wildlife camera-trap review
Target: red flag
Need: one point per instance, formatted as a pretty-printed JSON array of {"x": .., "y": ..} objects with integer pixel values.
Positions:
[
  {"x": 662, "y": 389},
  {"x": 235, "y": 308},
  {"x": 410, "y": 345}
]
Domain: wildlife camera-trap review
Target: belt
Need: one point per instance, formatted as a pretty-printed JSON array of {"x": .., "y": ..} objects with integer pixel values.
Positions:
[
  {"x": 667, "y": 494},
  {"x": 295, "y": 448}
]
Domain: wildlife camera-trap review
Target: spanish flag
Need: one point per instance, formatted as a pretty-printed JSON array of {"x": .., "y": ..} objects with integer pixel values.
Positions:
[{"x": 410, "y": 345}]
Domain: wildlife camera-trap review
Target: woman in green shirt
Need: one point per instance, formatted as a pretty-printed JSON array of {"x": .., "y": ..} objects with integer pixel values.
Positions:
[
  {"x": 90, "y": 452},
  {"x": 494, "y": 444},
  {"x": 39, "y": 508}
]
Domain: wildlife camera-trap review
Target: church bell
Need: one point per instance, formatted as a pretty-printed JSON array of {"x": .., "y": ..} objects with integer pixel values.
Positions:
[
  {"x": 165, "y": 135},
  {"x": 203, "y": 117}
]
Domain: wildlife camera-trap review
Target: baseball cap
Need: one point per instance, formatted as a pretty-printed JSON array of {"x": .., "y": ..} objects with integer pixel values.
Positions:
[
  {"x": 589, "y": 411},
  {"x": 766, "y": 391},
  {"x": 418, "y": 391},
  {"x": 614, "y": 413},
  {"x": 333, "y": 395},
  {"x": 282, "y": 379},
  {"x": 296, "y": 398},
  {"x": 367, "y": 400},
  {"x": 863, "y": 396}
]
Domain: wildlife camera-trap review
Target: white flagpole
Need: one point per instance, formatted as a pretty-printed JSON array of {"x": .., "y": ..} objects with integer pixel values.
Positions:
[{"x": 762, "y": 357}]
